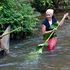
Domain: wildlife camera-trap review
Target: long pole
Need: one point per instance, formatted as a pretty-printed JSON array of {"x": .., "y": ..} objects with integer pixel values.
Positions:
[
  {"x": 10, "y": 32},
  {"x": 52, "y": 33}
]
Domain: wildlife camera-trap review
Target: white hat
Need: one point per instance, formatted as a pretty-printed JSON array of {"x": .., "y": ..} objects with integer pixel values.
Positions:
[{"x": 50, "y": 11}]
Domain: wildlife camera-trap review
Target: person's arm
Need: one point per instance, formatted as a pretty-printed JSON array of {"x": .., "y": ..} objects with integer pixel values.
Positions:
[
  {"x": 62, "y": 21},
  {"x": 44, "y": 29}
]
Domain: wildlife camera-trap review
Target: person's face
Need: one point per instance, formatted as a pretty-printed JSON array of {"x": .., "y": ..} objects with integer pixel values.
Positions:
[{"x": 49, "y": 15}]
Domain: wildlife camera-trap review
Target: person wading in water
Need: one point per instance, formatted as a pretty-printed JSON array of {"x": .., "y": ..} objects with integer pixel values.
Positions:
[{"x": 48, "y": 25}]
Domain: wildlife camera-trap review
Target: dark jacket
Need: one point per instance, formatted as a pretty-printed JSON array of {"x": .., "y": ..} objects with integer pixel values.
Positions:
[{"x": 46, "y": 23}]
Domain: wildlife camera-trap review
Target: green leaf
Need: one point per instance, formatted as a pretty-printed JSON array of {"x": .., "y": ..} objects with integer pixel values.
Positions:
[{"x": 54, "y": 25}]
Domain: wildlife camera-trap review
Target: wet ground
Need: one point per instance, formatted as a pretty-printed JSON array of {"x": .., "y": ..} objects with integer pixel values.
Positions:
[{"x": 21, "y": 58}]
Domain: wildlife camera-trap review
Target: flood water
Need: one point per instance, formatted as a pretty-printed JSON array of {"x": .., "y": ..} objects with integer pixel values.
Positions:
[{"x": 21, "y": 58}]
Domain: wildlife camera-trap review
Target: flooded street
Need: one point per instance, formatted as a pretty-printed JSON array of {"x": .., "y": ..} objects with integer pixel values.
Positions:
[{"x": 21, "y": 59}]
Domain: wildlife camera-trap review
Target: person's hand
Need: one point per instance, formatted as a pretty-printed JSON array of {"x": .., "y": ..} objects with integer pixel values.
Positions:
[{"x": 65, "y": 15}]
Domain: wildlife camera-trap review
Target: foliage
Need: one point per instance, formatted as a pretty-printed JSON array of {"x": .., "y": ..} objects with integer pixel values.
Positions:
[
  {"x": 42, "y": 5},
  {"x": 17, "y": 13},
  {"x": 66, "y": 4}
]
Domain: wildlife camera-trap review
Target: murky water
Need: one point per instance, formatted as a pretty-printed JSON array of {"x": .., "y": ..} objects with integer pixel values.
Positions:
[{"x": 21, "y": 58}]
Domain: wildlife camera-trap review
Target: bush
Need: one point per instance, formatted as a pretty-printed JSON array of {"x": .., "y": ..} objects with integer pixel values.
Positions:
[
  {"x": 17, "y": 13},
  {"x": 42, "y": 5}
]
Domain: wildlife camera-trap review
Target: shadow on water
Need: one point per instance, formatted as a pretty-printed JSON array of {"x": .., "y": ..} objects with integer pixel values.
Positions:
[{"x": 22, "y": 56}]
